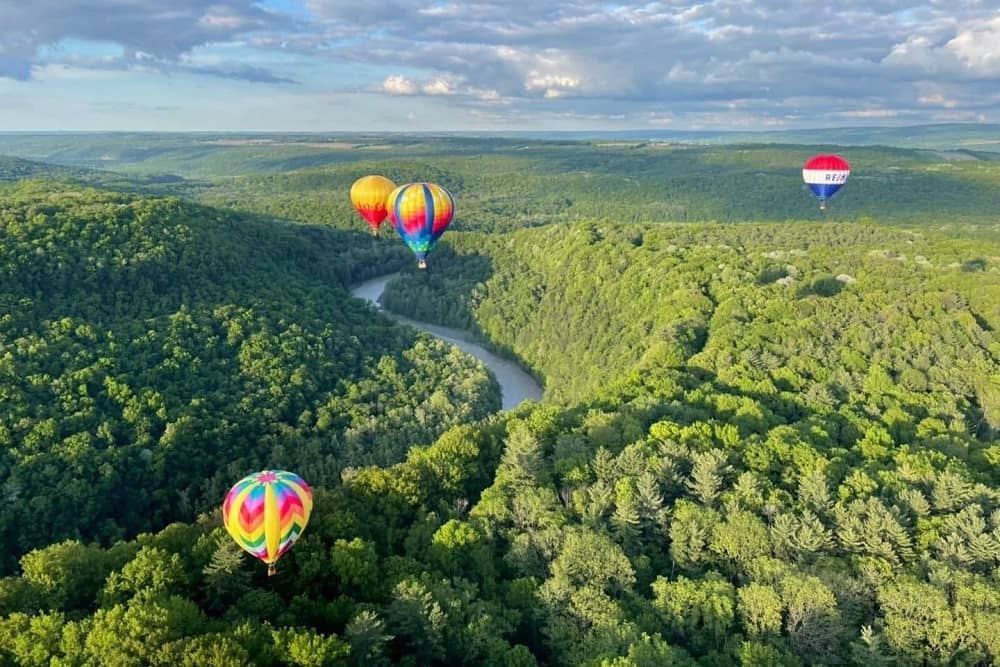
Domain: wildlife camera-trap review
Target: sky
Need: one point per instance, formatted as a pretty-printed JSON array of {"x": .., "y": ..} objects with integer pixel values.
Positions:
[{"x": 403, "y": 65}]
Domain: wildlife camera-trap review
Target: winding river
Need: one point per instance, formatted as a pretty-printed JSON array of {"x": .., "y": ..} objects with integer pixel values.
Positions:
[{"x": 515, "y": 384}]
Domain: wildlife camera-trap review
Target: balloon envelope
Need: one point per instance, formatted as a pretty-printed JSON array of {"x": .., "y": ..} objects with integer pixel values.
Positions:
[
  {"x": 369, "y": 195},
  {"x": 825, "y": 174},
  {"x": 266, "y": 513},
  {"x": 421, "y": 212}
]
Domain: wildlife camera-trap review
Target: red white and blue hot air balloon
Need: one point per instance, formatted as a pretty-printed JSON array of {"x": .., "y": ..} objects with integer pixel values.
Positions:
[{"x": 825, "y": 174}]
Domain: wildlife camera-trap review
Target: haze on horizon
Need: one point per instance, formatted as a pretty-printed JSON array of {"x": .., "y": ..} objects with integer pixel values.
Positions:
[{"x": 401, "y": 65}]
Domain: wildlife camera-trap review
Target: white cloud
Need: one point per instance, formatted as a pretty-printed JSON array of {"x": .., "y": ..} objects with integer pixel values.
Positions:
[
  {"x": 439, "y": 86},
  {"x": 869, "y": 113},
  {"x": 399, "y": 85},
  {"x": 749, "y": 62},
  {"x": 551, "y": 82},
  {"x": 959, "y": 117},
  {"x": 973, "y": 51},
  {"x": 219, "y": 19},
  {"x": 160, "y": 32},
  {"x": 977, "y": 46},
  {"x": 937, "y": 100},
  {"x": 485, "y": 94}
]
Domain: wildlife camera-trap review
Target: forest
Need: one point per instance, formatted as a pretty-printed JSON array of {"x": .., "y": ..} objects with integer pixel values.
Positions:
[
  {"x": 153, "y": 349},
  {"x": 534, "y": 185},
  {"x": 508, "y": 183},
  {"x": 765, "y": 443}
]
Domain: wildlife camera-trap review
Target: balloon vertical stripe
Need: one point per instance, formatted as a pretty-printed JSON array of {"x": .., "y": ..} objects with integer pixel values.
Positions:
[
  {"x": 272, "y": 524},
  {"x": 266, "y": 512}
]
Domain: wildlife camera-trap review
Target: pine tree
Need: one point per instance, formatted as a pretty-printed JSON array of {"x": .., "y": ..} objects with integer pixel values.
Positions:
[
  {"x": 600, "y": 495},
  {"x": 625, "y": 518},
  {"x": 604, "y": 466},
  {"x": 707, "y": 473},
  {"x": 653, "y": 517},
  {"x": 523, "y": 463},
  {"x": 814, "y": 490},
  {"x": 811, "y": 536},
  {"x": 367, "y": 637},
  {"x": 225, "y": 577}
]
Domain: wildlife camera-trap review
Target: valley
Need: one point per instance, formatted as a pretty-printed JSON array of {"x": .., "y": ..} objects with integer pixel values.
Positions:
[{"x": 768, "y": 435}]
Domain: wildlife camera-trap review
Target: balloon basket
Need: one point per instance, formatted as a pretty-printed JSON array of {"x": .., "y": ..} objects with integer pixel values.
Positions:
[
  {"x": 421, "y": 264},
  {"x": 271, "y": 570},
  {"x": 822, "y": 206}
]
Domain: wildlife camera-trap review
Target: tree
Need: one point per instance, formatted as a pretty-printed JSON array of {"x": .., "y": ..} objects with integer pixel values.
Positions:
[
  {"x": 306, "y": 648},
  {"x": 699, "y": 612},
  {"x": 812, "y": 619},
  {"x": 760, "y": 609},
  {"x": 417, "y": 621},
  {"x": 365, "y": 633},
  {"x": 691, "y": 533},
  {"x": 740, "y": 539},
  {"x": 69, "y": 574},
  {"x": 707, "y": 471},
  {"x": 591, "y": 559},
  {"x": 522, "y": 462},
  {"x": 132, "y": 633},
  {"x": 153, "y": 571},
  {"x": 226, "y": 578},
  {"x": 920, "y": 625}
]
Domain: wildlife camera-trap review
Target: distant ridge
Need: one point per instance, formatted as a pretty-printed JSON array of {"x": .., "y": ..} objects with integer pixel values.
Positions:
[
  {"x": 977, "y": 136},
  {"x": 939, "y": 136},
  {"x": 14, "y": 169}
]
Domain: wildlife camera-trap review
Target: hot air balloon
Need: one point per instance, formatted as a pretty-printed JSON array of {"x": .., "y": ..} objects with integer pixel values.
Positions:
[
  {"x": 266, "y": 513},
  {"x": 421, "y": 212},
  {"x": 369, "y": 195},
  {"x": 825, "y": 174}
]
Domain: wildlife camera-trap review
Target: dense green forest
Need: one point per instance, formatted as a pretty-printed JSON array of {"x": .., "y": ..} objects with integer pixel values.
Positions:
[
  {"x": 14, "y": 169},
  {"x": 508, "y": 183},
  {"x": 813, "y": 307},
  {"x": 771, "y": 443},
  {"x": 538, "y": 184},
  {"x": 212, "y": 154},
  {"x": 151, "y": 350}
]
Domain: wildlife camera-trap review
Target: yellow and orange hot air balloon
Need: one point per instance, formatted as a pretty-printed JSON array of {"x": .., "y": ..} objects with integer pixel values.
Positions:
[
  {"x": 266, "y": 513},
  {"x": 369, "y": 195}
]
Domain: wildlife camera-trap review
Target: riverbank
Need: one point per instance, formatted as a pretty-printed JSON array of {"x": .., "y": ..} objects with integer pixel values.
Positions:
[{"x": 515, "y": 384}]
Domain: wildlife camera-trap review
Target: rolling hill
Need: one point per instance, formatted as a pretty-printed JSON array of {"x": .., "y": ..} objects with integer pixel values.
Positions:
[{"x": 151, "y": 348}]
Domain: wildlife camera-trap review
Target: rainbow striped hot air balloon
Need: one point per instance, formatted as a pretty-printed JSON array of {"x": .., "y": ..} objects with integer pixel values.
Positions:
[
  {"x": 266, "y": 513},
  {"x": 369, "y": 195},
  {"x": 825, "y": 174},
  {"x": 421, "y": 212}
]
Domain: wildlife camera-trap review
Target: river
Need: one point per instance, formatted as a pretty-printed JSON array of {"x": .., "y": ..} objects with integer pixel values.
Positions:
[{"x": 515, "y": 384}]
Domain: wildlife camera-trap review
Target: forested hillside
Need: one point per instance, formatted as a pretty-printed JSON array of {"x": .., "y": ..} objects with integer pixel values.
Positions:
[
  {"x": 152, "y": 350},
  {"x": 685, "y": 521},
  {"x": 508, "y": 183},
  {"x": 14, "y": 169},
  {"x": 769, "y": 443},
  {"x": 541, "y": 183},
  {"x": 818, "y": 308}
]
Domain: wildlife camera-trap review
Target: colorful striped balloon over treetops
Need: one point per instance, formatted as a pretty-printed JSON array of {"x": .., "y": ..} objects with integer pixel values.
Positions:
[
  {"x": 421, "y": 212},
  {"x": 266, "y": 512}
]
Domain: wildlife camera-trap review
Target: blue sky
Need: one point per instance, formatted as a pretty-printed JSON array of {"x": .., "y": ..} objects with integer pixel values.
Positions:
[{"x": 400, "y": 65}]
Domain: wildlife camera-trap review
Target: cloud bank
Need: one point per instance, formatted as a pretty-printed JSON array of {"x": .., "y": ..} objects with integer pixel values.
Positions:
[{"x": 719, "y": 63}]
